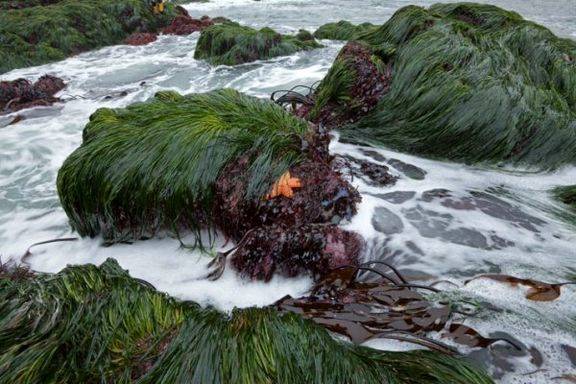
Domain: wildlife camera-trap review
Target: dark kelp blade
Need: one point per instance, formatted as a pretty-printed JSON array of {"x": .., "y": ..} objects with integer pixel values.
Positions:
[{"x": 538, "y": 290}]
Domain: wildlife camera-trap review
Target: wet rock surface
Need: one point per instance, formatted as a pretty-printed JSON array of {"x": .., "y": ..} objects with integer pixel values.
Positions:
[
  {"x": 445, "y": 227},
  {"x": 397, "y": 197},
  {"x": 141, "y": 38},
  {"x": 364, "y": 84},
  {"x": 386, "y": 222},
  {"x": 488, "y": 204},
  {"x": 409, "y": 170},
  {"x": 291, "y": 251},
  {"x": 21, "y": 93}
]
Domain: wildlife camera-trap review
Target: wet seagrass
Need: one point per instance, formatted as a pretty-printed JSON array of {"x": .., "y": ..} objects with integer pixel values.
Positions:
[
  {"x": 154, "y": 165},
  {"x": 89, "y": 324},
  {"x": 469, "y": 82}
]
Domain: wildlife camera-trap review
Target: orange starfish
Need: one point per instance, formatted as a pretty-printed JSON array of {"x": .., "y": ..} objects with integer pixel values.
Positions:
[{"x": 284, "y": 185}]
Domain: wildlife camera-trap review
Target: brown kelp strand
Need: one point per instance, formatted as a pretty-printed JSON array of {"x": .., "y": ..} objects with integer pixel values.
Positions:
[
  {"x": 385, "y": 307},
  {"x": 538, "y": 290},
  {"x": 92, "y": 324},
  {"x": 20, "y": 94},
  {"x": 46, "y": 31},
  {"x": 230, "y": 43},
  {"x": 464, "y": 81}
]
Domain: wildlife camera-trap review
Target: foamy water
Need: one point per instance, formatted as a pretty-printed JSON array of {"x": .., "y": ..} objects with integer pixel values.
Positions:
[{"x": 440, "y": 220}]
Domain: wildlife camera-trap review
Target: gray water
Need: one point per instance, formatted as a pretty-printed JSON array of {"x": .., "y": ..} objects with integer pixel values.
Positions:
[{"x": 441, "y": 220}]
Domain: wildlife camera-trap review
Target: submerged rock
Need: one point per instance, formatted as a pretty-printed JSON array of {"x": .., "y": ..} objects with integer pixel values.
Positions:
[
  {"x": 343, "y": 30},
  {"x": 465, "y": 81},
  {"x": 231, "y": 43},
  {"x": 21, "y": 93}
]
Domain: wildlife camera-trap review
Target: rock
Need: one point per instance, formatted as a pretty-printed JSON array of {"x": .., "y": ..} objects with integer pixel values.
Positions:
[
  {"x": 223, "y": 161},
  {"x": 440, "y": 103},
  {"x": 397, "y": 197},
  {"x": 409, "y": 170},
  {"x": 352, "y": 87},
  {"x": 231, "y": 43},
  {"x": 21, "y": 94},
  {"x": 140, "y": 38},
  {"x": 292, "y": 251},
  {"x": 386, "y": 222},
  {"x": 185, "y": 25}
]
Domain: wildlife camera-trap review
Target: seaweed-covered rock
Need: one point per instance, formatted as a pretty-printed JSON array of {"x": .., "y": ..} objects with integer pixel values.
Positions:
[
  {"x": 470, "y": 82},
  {"x": 354, "y": 85},
  {"x": 343, "y": 30},
  {"x": 154, "y": 165},
  {"x": 41, "y": 34},
  {"x": 20, "y": 94},
  {"x": 97, "y": 324},
  {"x": 231, "y": 43}
]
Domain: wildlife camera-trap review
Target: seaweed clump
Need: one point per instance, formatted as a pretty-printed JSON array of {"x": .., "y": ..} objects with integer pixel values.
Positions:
[
  {"x": 37, "y": 35},
  {"x": 469, "y": 82},
  {"x": 231, "y": 43},
  {"x": 343, "y": 30},
  {"x": 97, "y": 324},
  {"x": 19, "y": 94}
]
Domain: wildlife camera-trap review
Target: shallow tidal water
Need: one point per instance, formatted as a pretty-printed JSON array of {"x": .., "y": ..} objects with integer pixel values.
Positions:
[{"x": 440, "y": 221}]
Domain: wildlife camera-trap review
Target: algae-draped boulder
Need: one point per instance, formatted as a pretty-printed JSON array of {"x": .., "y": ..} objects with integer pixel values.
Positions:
[
  {"x": 343, "y": 30},
  {"x": 154, "y": 165},
  {"x": 97, "y": 324},
  {"x": 40, "y": 34},
  {"x": 472, "y": 83},
  {"x": 231, "y": 43}
]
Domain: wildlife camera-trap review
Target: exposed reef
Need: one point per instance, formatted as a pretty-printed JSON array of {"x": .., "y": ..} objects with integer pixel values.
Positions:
[{"x": 231, "y": 44}]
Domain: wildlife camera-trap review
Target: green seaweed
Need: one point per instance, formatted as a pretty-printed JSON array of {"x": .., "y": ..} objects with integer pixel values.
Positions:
[
  {"x": 153, "y": 165},
  {"x": 343, "y": 30},
  {"x": 41, "y": 34},
  {"x": 567, "y": 195},
  {"x": 472, "y": 83},
  {"x": 231, "y": 43},
  {"x": 89, "y": 324}
]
